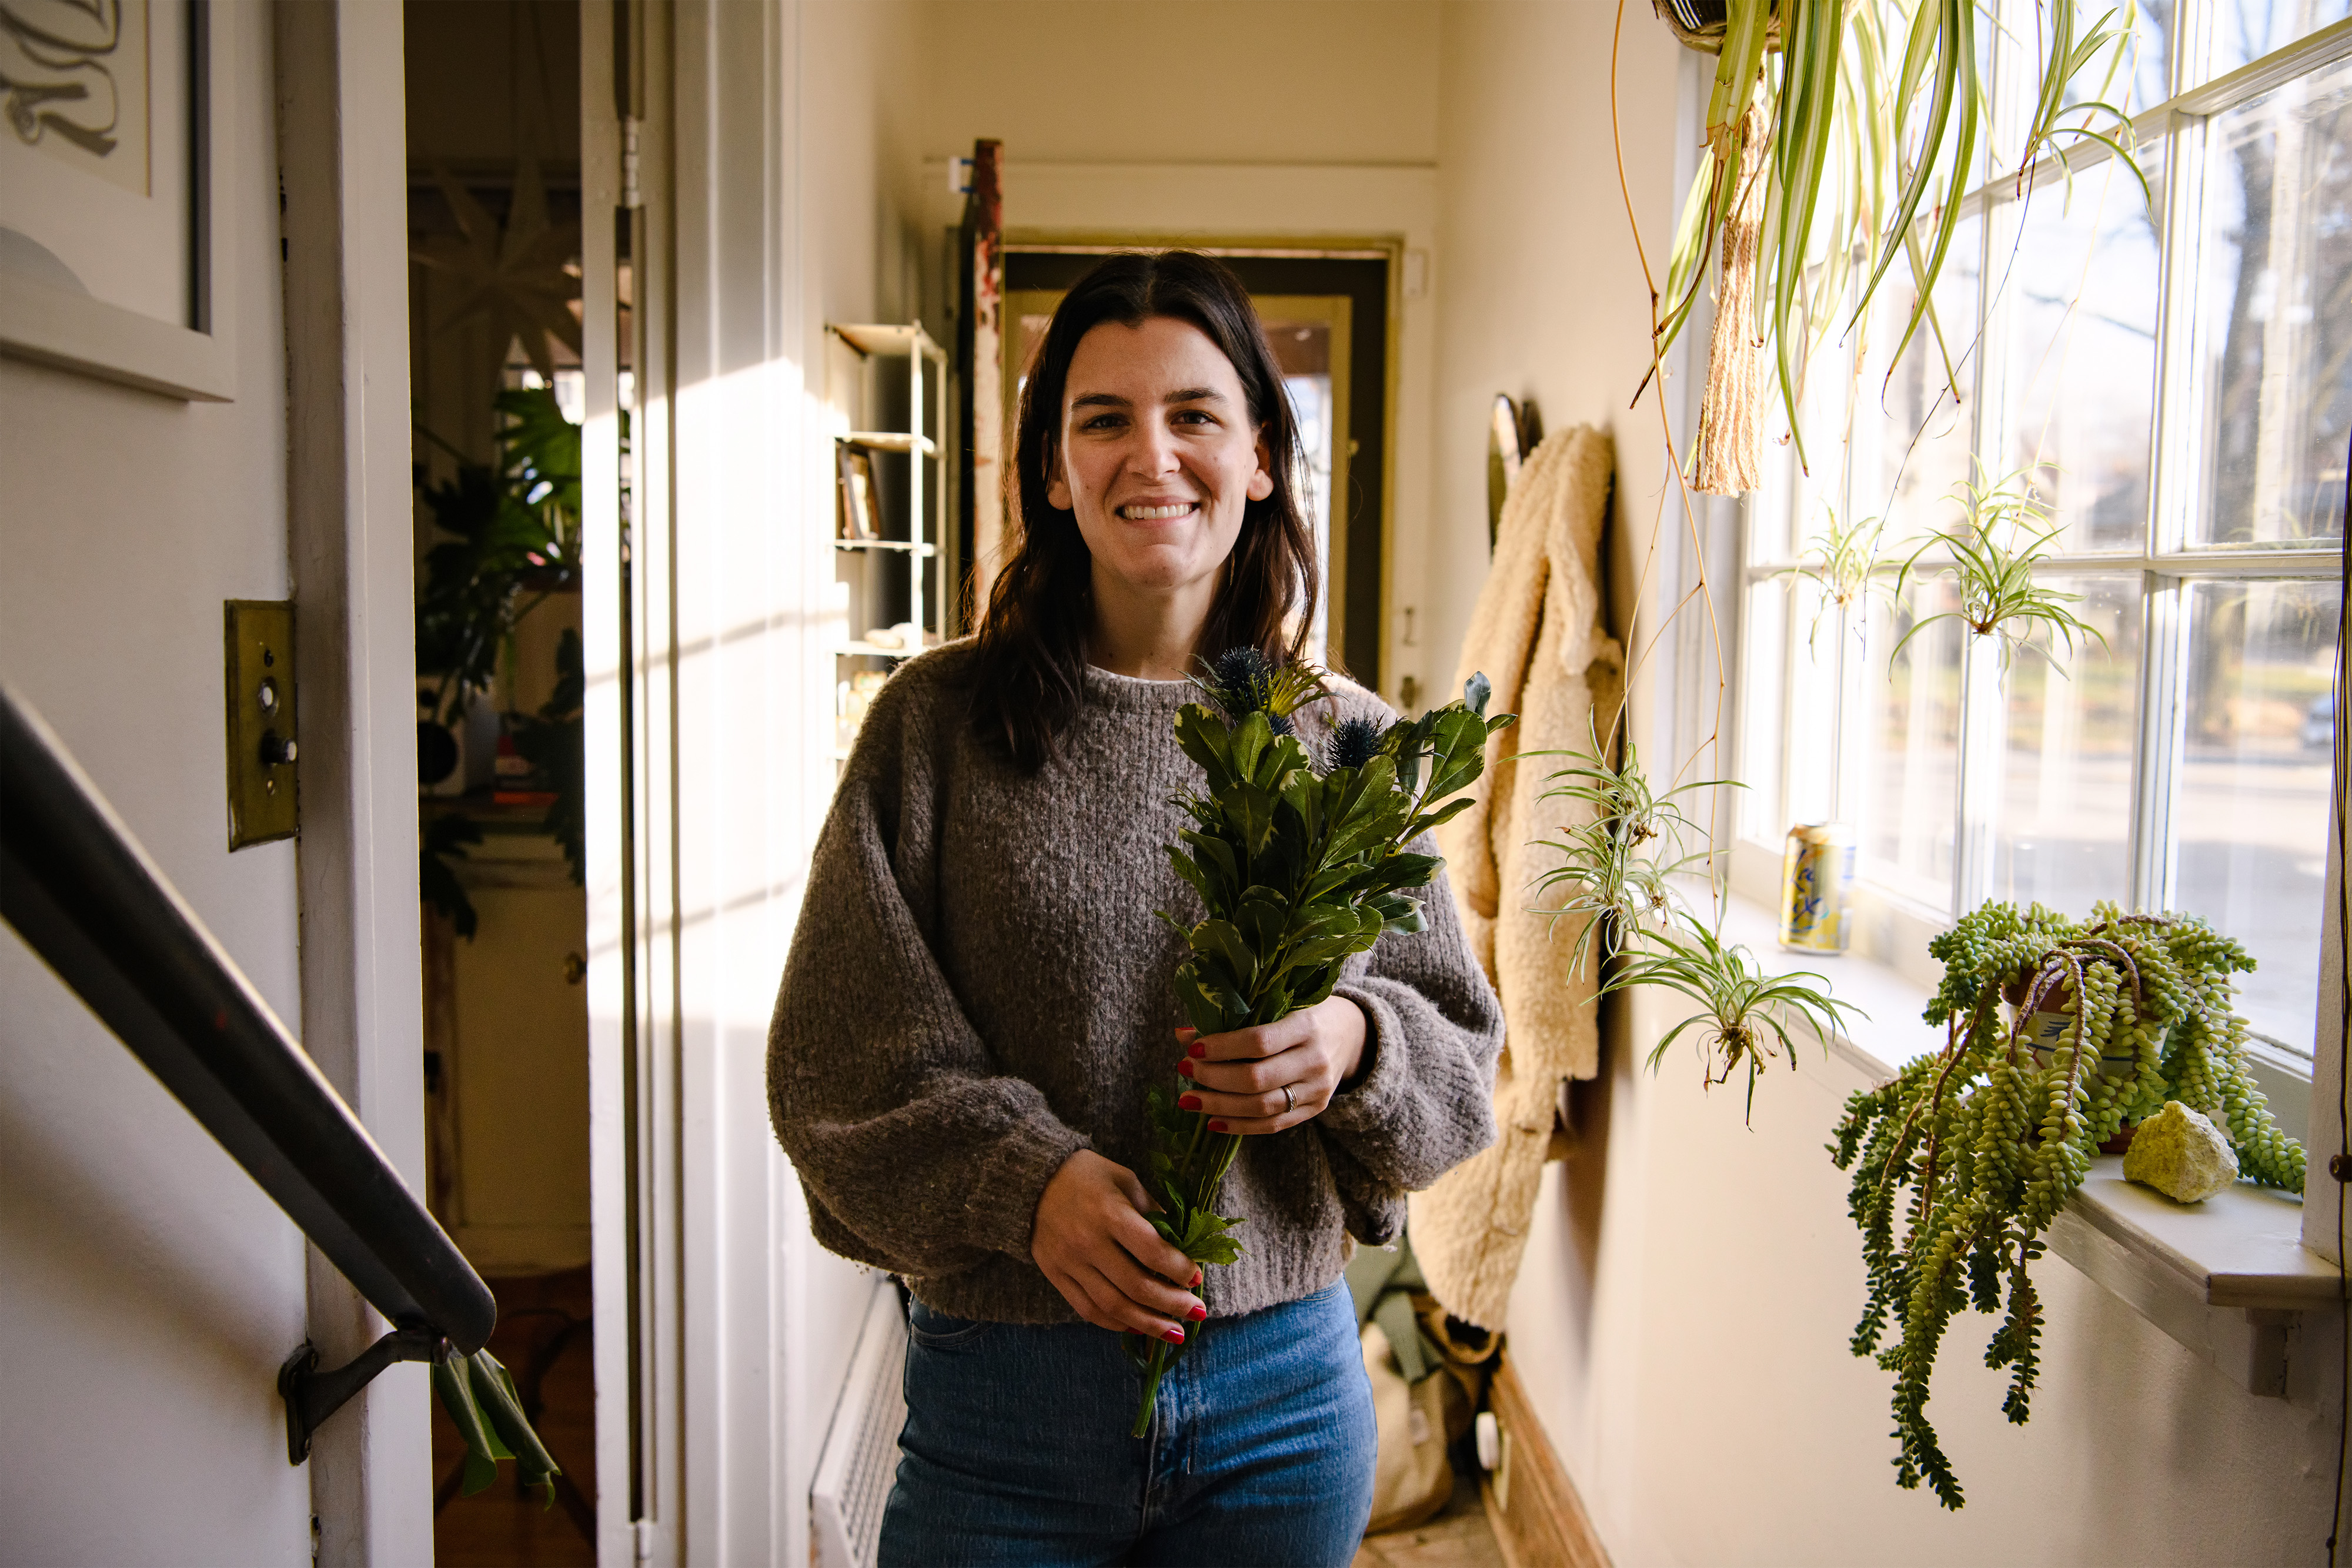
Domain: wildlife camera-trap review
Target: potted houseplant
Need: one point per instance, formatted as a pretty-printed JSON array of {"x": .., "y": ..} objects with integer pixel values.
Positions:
[{"x": 2060, "y": 1033}]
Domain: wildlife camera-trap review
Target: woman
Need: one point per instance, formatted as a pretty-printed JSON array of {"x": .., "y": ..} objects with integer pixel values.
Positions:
[{"x": 979, "y": 994}]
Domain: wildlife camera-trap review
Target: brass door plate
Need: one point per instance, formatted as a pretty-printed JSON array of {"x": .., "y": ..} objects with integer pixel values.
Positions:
[{"x": 262, "y": 756}]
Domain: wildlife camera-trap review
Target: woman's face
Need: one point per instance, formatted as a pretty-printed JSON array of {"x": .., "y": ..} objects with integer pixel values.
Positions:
[{"x": 1156, "y": 454}]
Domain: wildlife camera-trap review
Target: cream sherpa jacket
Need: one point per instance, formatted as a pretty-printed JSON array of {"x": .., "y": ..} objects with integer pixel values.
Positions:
[{"x": 1540, "y": 635}]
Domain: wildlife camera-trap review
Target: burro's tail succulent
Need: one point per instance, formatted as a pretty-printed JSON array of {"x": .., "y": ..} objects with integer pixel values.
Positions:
[
  {"x": 2060, "y": 1032},
  {"x": 1300, "y": 861}
]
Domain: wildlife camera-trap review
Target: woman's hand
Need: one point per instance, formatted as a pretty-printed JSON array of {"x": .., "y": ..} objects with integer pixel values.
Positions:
[
  {"x": 1243, "y": 1075},
  {"x": 1093, "y": 1243}
]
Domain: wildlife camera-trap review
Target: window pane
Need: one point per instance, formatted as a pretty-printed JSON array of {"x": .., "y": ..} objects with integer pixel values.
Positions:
[
  {"x": 1763, "y": 679},
  {"x": 1813, "y": 716},
  {"x": 2275, "y": 315},
  {"x": 2063, "y": 837},
  {"x": 1912, "y": 438},
  {"x": 2250, "y": 822},
  {"x": 1910, "y": 742},
  {"x": 2246, "y": 30},
  {"x": 2144, "y": 77},
  {"x": 2080, "y": 380},
  {"x": 2132, "y": 77}
]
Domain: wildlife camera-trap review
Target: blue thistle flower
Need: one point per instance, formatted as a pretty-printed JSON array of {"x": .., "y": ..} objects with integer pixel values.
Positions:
[
  {"x": 1352, "y": 743},
  {"x": 1243, "y": 680},
  {"x": 1280, "y": 723}
]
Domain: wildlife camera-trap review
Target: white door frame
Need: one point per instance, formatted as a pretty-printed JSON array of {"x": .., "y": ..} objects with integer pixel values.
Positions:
[{"x": 729, "y": 1328}]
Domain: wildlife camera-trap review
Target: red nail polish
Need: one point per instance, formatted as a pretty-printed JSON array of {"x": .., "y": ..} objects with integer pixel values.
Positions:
[
  {"x": 1188, "y": 1103},
  {"x": 1174, "y": 1336},
  {"x": 1185, "y": 1067},
  {"x": 1200, "y": 1050},
  {"x": 1219, "y": 1127},
  {"x": 1198, "y": 1314},
  {"x": 1199, "y": 1275}
]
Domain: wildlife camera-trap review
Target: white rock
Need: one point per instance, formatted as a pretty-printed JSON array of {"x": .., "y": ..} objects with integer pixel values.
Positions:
[{"x": 2181, "y": 1154}]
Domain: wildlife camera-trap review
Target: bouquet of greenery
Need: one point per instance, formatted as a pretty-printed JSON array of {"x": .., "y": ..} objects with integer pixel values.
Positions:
[{"x": 1300, "y": 861}]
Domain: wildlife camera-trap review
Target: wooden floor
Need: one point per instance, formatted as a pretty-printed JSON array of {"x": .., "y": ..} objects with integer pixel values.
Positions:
[
  {"x": 503, "y": 1528},
  {"x": 1459, "y": 1537}
]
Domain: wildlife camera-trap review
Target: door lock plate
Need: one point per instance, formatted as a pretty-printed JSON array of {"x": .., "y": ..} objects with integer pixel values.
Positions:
[{"x": 263, "y": 756}]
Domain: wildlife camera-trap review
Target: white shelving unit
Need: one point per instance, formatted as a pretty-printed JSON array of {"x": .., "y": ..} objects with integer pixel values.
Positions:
[{"x": 913, "y": 514}]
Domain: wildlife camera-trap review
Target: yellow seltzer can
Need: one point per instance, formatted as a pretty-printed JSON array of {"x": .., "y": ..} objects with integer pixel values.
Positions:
[{"x": 1817, "y": 888}]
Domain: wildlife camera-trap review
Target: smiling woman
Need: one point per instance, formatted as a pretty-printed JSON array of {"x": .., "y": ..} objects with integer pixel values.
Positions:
[
  {"x": 979, "y": 998},
  {"x": 1154, "y": 388}
]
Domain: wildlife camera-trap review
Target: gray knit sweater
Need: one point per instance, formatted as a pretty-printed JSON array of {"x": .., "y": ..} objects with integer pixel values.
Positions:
[{"x": 978, "y": 989}]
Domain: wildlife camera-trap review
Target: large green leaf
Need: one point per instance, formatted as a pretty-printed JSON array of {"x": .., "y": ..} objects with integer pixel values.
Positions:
[
  {"x": 1222, "y": 940},
  {"x": 1249, "y": 813},
  {"x": 1202, "y": 1008},
  {"x": 1203, "y": 737}
]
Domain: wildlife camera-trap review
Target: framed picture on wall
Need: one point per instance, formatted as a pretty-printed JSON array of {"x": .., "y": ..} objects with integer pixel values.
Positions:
[
  {"x": 106, "y": 223},
  {"x": 860, "y": 519}
]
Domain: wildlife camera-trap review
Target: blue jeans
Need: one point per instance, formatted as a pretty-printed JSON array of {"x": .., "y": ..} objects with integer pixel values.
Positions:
[{"x": 1016, "y": 1452}]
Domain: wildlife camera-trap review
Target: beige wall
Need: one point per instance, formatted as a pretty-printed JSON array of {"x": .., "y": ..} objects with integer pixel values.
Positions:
[
  {"x": 1212, "y": 82},
  {"x": 1683, "y": 1313}
]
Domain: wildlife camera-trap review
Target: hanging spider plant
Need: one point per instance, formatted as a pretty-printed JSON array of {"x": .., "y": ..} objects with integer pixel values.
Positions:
[
  {"x": 1999, "y": 594},
  {"x": 1616, "y": 867},
  {"x": 1876, "y": 116},
  {"x": 1841, "y": 562},
  {"x": 1744, "y": 1013},
  {"x": 1618, "y": 871}
]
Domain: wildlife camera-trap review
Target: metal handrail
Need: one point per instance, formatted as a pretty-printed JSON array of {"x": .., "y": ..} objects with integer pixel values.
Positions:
[{"x": 83, "y": 894}]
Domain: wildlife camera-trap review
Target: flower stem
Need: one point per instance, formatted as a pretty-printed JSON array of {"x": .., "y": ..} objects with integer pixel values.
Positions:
[{"x": 1152, "y": 1369}]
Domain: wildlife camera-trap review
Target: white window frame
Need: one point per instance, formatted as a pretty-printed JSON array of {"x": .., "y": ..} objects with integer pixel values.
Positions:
[{"x": 1892, "y": 928}]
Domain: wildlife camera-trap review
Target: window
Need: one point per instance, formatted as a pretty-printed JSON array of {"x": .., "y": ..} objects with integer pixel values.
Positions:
[{"x": 2175, "y": 380}]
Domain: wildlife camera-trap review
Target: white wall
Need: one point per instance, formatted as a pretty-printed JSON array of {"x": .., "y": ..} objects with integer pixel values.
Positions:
[
  {"x": 1682, "y": 1315},
  {"x": 794, "y": 160},
  {"x": 148, "y": 1289}
]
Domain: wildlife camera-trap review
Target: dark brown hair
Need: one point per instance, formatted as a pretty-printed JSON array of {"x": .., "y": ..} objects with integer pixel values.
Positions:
[{"x": 1030, "y": 668}]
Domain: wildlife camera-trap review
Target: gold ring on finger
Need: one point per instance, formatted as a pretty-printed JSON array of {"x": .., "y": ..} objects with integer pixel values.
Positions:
[{"x": 1289, "y": 1100}]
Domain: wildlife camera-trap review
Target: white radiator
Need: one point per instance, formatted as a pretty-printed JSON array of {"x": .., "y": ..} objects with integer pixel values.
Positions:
[{"x": 860, "y": 1458}]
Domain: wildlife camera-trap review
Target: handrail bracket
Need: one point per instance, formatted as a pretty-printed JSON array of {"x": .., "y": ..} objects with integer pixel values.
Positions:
[{"x": 312, "y": 1396}]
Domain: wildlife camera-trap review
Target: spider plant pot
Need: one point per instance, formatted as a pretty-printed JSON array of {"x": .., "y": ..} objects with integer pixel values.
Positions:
[{"x": 1701, "y": 23}]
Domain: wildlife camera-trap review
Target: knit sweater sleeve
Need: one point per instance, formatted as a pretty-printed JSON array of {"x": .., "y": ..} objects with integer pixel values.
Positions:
[
  {"x": 1421, "y": 1100},
  {"x": 918, "y": 1155}
]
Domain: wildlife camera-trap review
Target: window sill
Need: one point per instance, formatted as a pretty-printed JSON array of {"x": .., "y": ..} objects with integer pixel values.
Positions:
[{"x": 2228, "y": 1278}]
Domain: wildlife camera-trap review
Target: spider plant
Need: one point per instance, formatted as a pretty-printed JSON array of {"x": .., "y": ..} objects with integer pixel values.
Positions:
[
  {"x": 1615, "y": 867},
  {"x": 1875, "y": 110},
  {"x": 1744, "y": 1013},
  {"x": 1840, "y": 561},
  {"x": 1999, "y": 595}
]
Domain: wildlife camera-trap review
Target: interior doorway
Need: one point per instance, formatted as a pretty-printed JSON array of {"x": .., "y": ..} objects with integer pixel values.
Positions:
[
  {"x": 1327, "y": 319},
  {"x": 498, "y": 390}
]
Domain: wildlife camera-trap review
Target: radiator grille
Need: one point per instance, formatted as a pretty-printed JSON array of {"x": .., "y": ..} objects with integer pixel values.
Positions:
[{"x": 860, "y": 1458}]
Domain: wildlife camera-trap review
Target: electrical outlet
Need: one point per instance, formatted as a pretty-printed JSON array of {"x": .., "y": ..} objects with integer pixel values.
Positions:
[{"x": 262, "y": 754}]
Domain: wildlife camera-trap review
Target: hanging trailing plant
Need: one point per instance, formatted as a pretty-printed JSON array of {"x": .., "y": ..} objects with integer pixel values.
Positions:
[
  {"x": 2005, "y": 534},
  {"x": 1872, "y": 115},
  {"x": 2060, "y": 1032}
]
